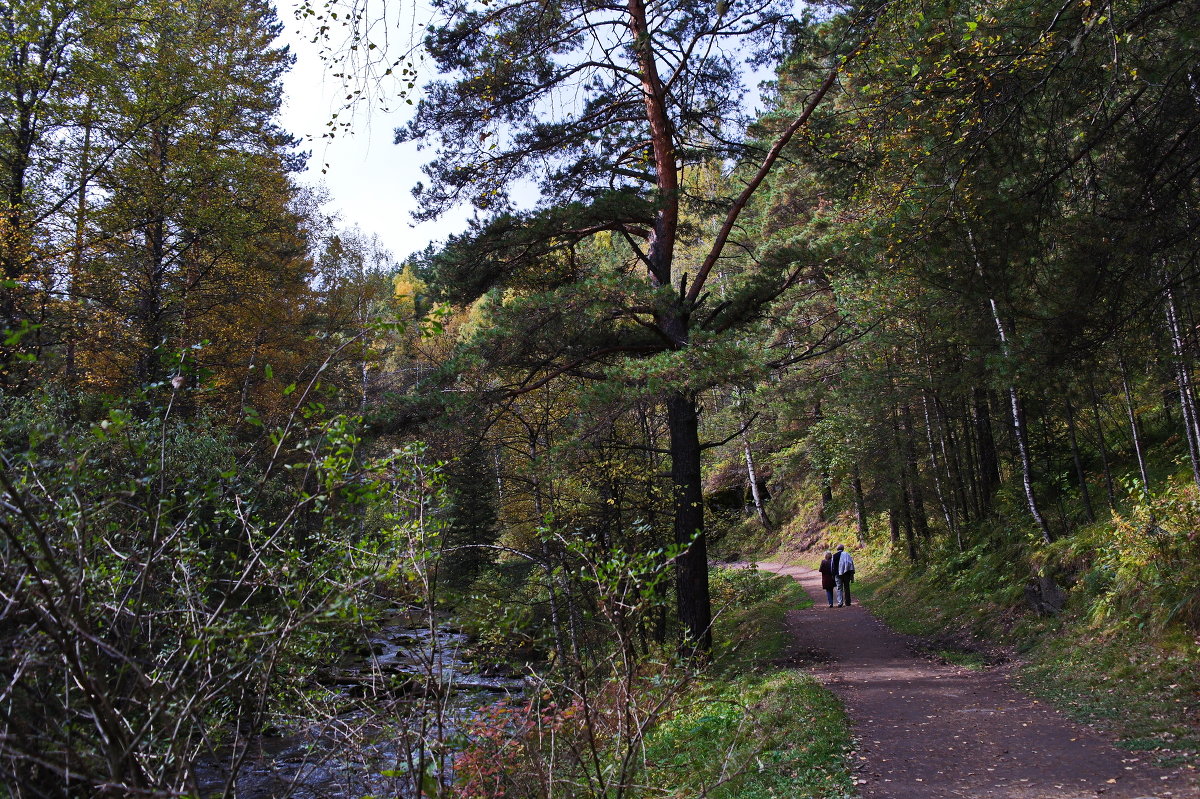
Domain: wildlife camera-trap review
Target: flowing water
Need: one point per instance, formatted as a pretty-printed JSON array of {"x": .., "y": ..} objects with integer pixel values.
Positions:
[{"x": 410, "y": 694}]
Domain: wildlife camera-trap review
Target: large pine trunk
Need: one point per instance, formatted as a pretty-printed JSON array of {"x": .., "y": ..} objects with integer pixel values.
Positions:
[{"x": 691, "y": 567}]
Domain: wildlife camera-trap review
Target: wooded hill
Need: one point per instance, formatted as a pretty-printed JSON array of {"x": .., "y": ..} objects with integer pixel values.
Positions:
[{"x": 948, "y": 276}]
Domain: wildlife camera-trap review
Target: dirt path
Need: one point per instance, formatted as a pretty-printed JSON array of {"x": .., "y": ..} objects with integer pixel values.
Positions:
[{"x": 932, "y": 731}]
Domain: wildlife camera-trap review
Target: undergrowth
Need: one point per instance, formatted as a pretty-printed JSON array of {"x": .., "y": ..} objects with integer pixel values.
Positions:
[
  {"x": 752, "y": 731},
  {"x": 1141, "y": 692},
  {"x": 757, "y": 736},
  {"x": 735, "y": 727},
  {"x": 1118, "y": 657},
  {"x": 749, "y": 617}
]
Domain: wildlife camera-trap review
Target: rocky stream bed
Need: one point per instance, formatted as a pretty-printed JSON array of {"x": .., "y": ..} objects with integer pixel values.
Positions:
[{"x": 404, "y": 704}]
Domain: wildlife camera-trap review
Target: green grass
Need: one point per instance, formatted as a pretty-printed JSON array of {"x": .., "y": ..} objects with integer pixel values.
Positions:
[
  {"x": 958, "y": 657},
  {"x": 749, "y": 730},
  {"x": 1142, "y": 694},
  {"x": 749, "y": 609},
  {"x": 779, "y": 734}
]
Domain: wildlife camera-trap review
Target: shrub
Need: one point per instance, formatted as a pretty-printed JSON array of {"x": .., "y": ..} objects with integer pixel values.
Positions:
[
  {"x": 164, "y": 597},
  {"x": 1144, "y": 566}
]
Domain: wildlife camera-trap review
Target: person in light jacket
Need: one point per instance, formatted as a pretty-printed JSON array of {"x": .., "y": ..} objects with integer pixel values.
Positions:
[
  {"x": 843, "y": 570},
  {"x": 827, "y": 581}
]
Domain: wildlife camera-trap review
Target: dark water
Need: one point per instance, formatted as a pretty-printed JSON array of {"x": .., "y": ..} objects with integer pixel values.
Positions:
[{"x": 411, "y": 694}]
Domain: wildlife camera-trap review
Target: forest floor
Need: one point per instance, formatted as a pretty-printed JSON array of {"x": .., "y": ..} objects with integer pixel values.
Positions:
[{"x": 928, "y": 730}]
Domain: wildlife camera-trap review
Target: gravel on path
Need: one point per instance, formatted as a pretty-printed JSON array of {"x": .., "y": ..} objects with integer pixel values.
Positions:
[{"x": 926, "y": 730}]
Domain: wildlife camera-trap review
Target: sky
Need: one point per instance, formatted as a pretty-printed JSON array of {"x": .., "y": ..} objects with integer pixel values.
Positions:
[{"x": 369, "y": 179}]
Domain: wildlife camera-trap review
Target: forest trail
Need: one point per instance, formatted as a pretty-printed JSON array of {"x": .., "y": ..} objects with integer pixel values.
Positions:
[{"x": 932, "y": 731}]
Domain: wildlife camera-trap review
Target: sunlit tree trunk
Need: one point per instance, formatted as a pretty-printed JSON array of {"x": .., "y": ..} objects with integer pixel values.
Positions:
[
  {"x": 1017, "y": 412},
  {"x": 947, "y": 513},
  {"x": 1183, "y": 381},
  {"x": 1134, "y": 428},
  {"x": 752, "y": 475}
]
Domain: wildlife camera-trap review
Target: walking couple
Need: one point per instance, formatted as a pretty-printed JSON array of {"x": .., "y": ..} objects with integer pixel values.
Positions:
[{"x": 837, "y": 572}]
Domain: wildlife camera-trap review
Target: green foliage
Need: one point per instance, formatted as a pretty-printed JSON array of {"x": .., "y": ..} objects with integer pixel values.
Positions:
[
  {"x": 506, "y": 615},
  {"x": 974, "y": 592},
  {"x": 472, "y": 527},
  {"x": 749, "y": 608},
  {"x": 1142, "y": 568},
  {"x": 169, "y": 599},
  {"x": 758, "y": 736},
  {"x": 587, "y": 726}
]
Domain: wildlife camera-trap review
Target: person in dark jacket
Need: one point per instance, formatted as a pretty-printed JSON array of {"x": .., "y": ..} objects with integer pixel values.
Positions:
[{"x": 827, "y": 581}]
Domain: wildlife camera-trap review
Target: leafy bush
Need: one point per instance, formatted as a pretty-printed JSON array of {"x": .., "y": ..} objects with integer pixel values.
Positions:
[
  {"x": 510, "y": 747},
  {"x": 505, "y": 613},
  {"x": 1144, "y": 566},
  {"x": 164, "y": 598}
]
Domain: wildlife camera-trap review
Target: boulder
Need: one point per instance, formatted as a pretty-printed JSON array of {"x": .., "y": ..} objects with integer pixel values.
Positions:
[{"x": 1044, "y": 596}]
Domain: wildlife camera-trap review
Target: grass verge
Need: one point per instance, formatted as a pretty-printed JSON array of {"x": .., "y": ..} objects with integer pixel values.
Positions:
[
  {"x": 748, "y": 625},
  {"x": 775, "y": 734},
  {"x": 751, "y": 730},
  {"x": 1143, "y": 694}
]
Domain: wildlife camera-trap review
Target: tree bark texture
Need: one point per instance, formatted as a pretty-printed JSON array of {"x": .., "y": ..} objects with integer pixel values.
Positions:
[
  {"x": 1102, "y": 446},
  {"x": 987, "y": 468},
  {"x": 947, "y": 511},
  {"x": 1183, "y": 381},
  {"x": 917, "y": 494},
  {"x": 752, "y": 475},
  {"x": 860, "y": 505},
  {"x": 691, "y": 566}
]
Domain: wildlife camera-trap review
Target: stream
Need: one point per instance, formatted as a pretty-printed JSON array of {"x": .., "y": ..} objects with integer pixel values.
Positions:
[{"x": 413, "y": 688}]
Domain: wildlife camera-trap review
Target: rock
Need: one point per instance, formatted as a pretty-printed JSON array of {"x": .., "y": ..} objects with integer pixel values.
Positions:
[{"x": 1044, "y": 595}]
